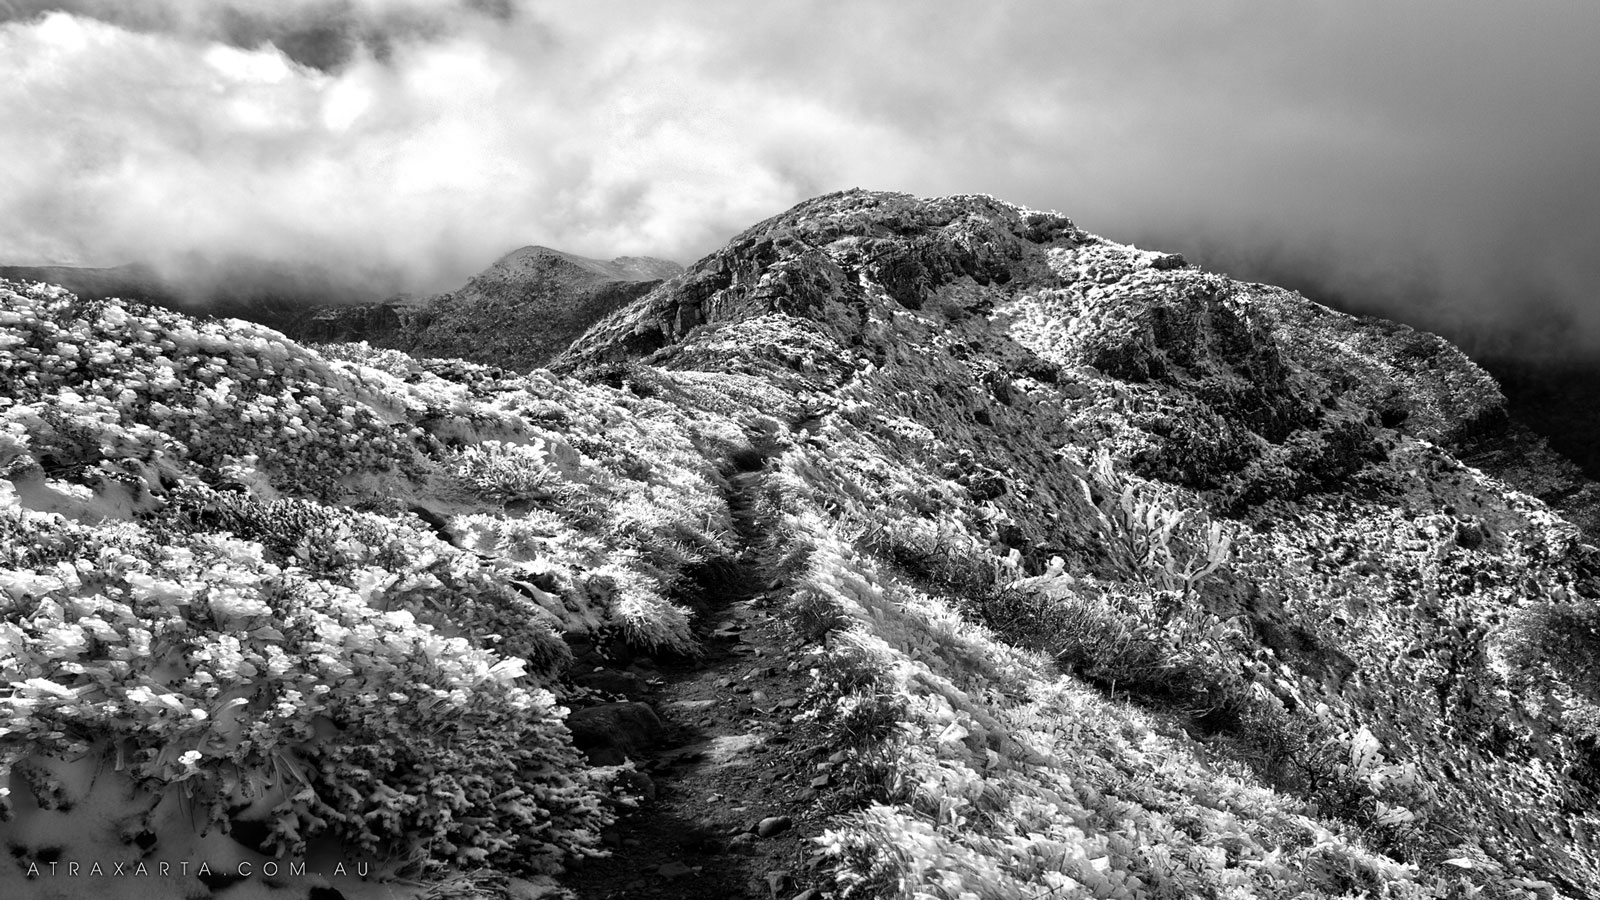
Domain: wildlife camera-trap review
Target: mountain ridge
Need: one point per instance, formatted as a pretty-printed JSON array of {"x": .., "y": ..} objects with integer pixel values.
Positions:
[
  {"x": 1262, "y": 403},
  {"x": 621, "y": 268},
  {"x": 519, "y": 311}
]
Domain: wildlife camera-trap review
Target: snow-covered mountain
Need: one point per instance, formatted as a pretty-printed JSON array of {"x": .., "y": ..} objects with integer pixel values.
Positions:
[{"x": 901, "y": 548}]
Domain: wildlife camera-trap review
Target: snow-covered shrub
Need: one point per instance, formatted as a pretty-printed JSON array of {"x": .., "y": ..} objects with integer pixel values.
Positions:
[
  {"x": 504, "y": 473},
  {"x": 200, "y": 663},
  {"x": 208, "y": 389},
  {"x": 860, "y": 702},
  {"x": 456, "y": 593},
  {"x": 633, "y": 602},
  {"x": 1149, "y": 533},
  {"x": 393, "y": 565}
]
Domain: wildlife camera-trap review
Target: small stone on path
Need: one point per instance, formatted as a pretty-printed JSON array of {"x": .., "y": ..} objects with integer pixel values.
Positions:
[
  {"x": 674, "y": 870},
  {"x": 773, "y": 825}
]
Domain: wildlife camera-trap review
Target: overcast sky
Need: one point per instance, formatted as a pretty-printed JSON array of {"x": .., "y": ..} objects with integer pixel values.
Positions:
[{"x": 1437, "y": 155}]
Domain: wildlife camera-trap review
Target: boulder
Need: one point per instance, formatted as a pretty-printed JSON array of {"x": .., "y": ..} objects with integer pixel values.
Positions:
[{"x": 611, "y": 733}]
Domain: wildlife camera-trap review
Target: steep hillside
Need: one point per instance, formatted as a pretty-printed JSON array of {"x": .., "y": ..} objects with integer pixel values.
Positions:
[
  {"x": 915, "y": 548},
  {"x": 519, "y": 313},
  {"x": 531, "y": 304}
]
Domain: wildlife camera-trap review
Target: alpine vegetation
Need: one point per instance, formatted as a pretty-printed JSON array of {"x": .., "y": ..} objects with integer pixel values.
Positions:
[{"x": 1084, "y": 573}]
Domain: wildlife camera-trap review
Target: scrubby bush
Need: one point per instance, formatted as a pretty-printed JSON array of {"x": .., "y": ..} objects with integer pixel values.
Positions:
[
  {"x": 504, "y": 473},
  {"x": 863, "y": 704},
  {"x": 130, "y": 382},
  {"x": 647, "y": 620},
  {"x": 313, "y": 670},
  {"x": 1551, "y": 650},
  {"x": 1148, "y": 535},
  {"x": 200, "y": 663}
]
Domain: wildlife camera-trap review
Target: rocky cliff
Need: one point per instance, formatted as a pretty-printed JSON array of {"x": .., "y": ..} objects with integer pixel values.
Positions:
[{"x": 914, "y": 548}]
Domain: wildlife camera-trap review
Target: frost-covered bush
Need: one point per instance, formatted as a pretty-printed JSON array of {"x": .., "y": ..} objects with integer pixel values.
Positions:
[
  {"x": 149, "y": 382},
  {"x": 458, "y": 595},
  {"x": 504, "y": 473},
  {"x": 1149, "y": 533},
  {"x": 633, "y": 602},
  {"x": 394, "y": 565},
  {"x": 327, "y": 673},
  {"x": 200, "y": 663}
]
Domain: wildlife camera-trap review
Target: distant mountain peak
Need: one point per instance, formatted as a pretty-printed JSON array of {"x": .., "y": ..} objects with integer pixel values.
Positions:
[
  {"x": 622, "y": 268},
  {"x": 519, "y": 312}
]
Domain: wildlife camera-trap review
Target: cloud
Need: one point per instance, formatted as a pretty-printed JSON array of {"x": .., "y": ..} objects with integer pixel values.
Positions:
[
  {"x": 323, "y": 34},
  {"x": 409, "y": 171},
  {"x": 1418, "y": 158}
]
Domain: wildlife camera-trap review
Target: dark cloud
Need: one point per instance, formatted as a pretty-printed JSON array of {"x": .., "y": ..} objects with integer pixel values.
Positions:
[
  {"x": 320, "y": 34},
  {"x": 1426, "y": 157}
]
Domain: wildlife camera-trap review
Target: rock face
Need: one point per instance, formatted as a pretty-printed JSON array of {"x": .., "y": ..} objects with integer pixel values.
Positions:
[{"x": 393, "y": 324}]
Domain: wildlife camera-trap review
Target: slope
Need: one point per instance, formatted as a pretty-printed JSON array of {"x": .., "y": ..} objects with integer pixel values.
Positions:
[
  {"x": 1228, "y": 504},
  {"x": 531, "y": 304}
]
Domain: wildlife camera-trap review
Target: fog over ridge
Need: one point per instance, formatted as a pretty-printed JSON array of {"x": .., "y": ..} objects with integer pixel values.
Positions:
[{"x": 1426, "y": 161}]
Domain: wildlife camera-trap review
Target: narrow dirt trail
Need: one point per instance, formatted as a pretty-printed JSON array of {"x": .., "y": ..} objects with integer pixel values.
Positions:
[{"x": 734, "y": 800}]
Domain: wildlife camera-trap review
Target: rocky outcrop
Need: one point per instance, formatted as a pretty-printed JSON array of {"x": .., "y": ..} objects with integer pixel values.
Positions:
[
  {"x": 807, "y": 262},
  {"x": 392, "y": 325}
]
